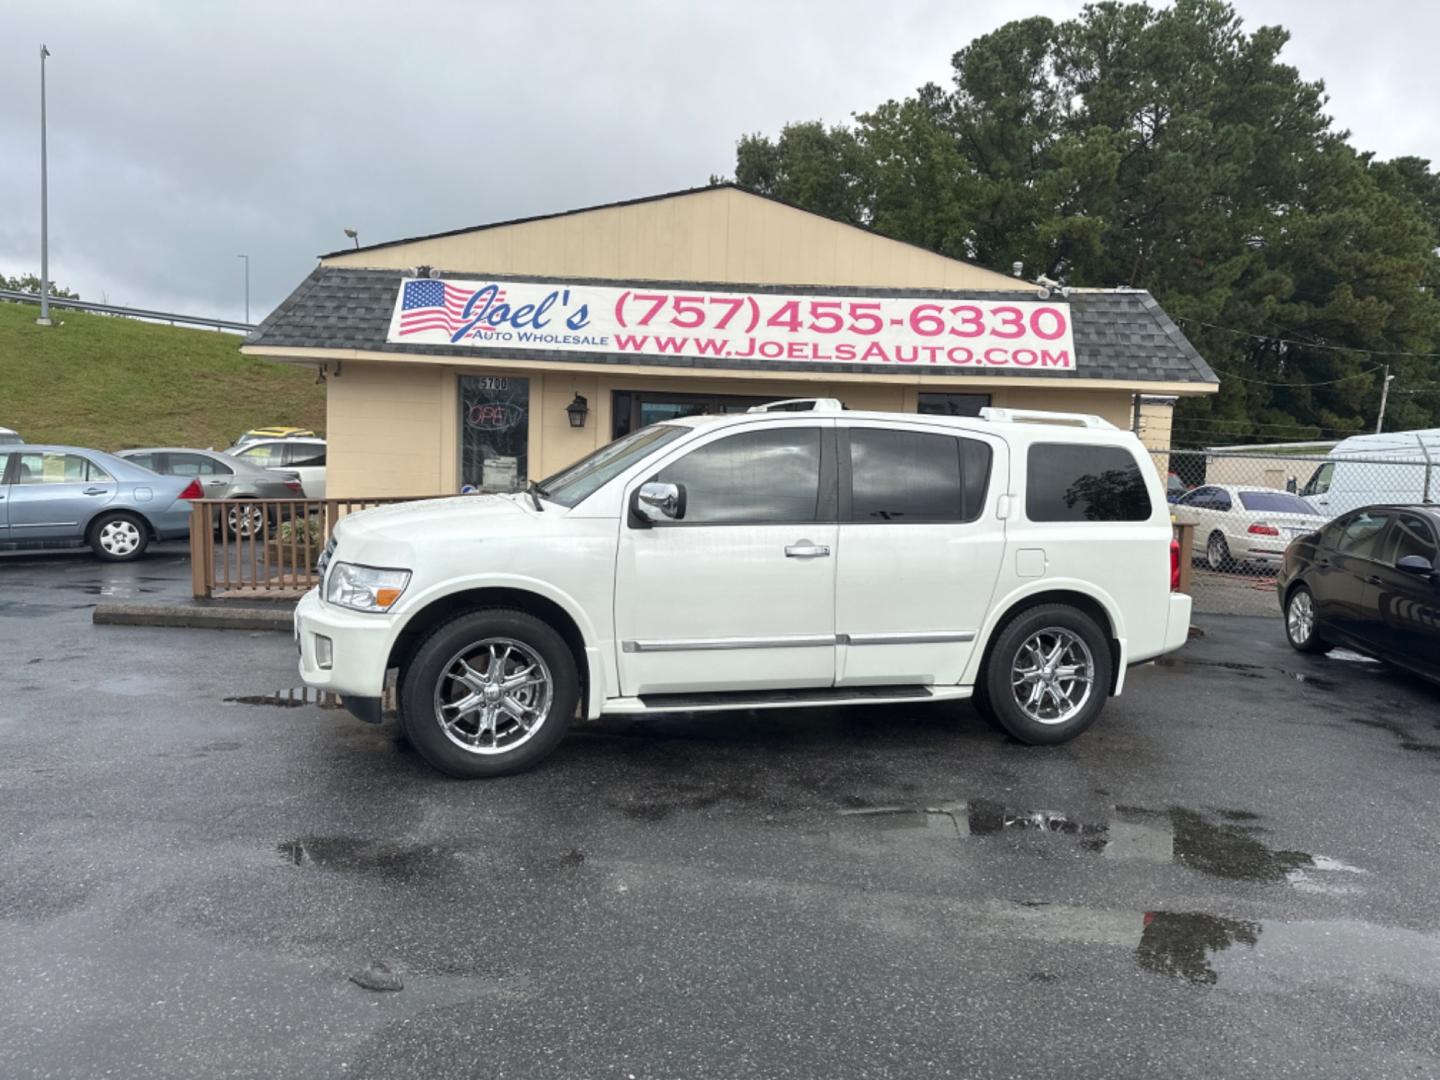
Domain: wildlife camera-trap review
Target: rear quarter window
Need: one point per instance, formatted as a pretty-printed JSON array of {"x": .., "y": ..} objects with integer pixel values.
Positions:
[{"x": 1077, "y": 482}]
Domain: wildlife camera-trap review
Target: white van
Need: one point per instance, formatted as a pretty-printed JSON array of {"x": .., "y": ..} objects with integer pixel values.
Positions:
[{"x": 1394, "y": 467}]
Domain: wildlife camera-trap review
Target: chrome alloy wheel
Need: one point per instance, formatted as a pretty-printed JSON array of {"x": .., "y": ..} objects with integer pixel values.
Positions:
[
  {"x": 245, "y": 521},
  {"x": 1052, "y": 675},
  {"x": 119, "y": 537},
  {"x": 492, "y": 696},
  {"x": 1300, "y": 617}
]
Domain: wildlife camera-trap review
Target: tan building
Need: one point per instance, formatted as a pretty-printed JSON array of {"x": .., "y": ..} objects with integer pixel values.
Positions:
[{"x": 498, "y": 354}]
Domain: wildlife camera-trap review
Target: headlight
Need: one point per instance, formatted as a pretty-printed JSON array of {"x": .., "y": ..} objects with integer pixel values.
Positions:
[{"x": 364, "y": 588}]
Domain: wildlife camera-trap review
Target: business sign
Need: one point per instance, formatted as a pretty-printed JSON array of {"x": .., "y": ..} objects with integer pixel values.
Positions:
[{"x": 757, "y": 327}]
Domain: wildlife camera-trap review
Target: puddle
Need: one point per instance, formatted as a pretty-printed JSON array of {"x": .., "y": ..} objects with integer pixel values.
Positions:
[
  {"x": 1247, "y": 671},
  {"x": 299, "y": 696},
  {"x": 369, "y": 858},
  {"x": 1180, "y": 944},
  {"x": 1227, "y": 845},
  {"x": 1407, "y": 738}
]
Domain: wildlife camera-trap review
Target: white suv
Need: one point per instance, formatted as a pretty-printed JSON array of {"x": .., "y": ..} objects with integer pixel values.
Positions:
[{"x": 774, "y": 558}]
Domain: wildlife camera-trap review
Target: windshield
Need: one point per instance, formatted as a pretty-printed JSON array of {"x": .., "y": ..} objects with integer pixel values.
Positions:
[
  {"x": 1278, "y": 502},
  {"x": 589, "y": 474}
]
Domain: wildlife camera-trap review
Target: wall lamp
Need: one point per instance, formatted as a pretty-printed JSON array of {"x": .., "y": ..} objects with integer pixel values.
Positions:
[{"x": 577, "y": 410}]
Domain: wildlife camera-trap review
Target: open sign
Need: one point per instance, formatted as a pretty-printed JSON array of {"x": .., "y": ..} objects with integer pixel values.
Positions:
[{"x": 493, "y": 415}]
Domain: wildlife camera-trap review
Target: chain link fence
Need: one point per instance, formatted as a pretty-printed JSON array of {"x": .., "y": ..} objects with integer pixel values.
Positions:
[{"x": 1247, "y": 508}]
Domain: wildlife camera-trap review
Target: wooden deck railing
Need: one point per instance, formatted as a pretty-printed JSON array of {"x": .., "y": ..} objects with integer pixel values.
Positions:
[{"x": 265, "y": 547}]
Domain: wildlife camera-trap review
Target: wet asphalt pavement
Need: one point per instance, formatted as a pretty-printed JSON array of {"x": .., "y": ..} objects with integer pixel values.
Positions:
[{"x": 1233, "y": 874}]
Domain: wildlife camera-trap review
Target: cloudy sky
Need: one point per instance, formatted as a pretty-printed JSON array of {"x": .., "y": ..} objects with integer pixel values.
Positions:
[{"x": 185, "y": 133}]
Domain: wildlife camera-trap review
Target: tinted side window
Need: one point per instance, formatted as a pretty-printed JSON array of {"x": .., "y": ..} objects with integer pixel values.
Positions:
[
  {"x": 193, "y": 465},
  {"x": 1360, "y": 534},
  {"x": 913, "y": 476},
  {"x": 305, "y": 454},
  {"x": 1075, "y": 482},
  {"x": 1411, "y": 535},
  {"x": 759, "y": 477}
]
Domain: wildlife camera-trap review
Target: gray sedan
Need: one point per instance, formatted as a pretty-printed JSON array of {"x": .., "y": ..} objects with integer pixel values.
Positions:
[
  {"x": 64, "y": 496},
  {"x": 222, "y": 477}
]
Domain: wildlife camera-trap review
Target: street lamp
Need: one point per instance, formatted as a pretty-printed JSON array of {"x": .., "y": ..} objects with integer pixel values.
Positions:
[
  {"x": 247, "y": 285},
  {"x": 44, "y": 319},
  {"x": 354, "y": 235}
]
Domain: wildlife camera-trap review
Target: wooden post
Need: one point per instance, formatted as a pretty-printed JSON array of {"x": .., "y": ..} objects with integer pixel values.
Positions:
[
  {"x": 1185, "y": 533},
  {"x": 202, "y": 550}
]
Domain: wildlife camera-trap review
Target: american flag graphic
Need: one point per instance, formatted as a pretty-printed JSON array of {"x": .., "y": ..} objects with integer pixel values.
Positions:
[{"x": 436, "y": 305}]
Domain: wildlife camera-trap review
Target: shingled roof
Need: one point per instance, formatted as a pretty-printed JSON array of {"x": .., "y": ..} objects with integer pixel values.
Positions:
[{"x": 1121, "y": 336}]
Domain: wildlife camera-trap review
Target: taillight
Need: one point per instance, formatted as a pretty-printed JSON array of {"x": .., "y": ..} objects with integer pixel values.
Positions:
[
  {"x": 1174, "y": 565},
  {"x": 293, "y": 485},
  {"x": 1261, "y": 529},
  {"x": 193, "y": 490}
]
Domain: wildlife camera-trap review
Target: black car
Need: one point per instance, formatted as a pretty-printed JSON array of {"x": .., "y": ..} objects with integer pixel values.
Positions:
[{"x": 1369, "y": 580}]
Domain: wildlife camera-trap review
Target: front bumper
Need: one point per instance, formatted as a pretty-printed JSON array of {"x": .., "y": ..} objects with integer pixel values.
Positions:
[{"x": 360, "y": 651}]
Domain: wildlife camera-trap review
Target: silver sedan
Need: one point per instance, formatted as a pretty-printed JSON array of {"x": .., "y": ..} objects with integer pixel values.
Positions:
[{"x": 222, "y": 477}]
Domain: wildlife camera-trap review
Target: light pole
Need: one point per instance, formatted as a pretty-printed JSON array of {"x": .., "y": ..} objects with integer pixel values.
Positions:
[
  {"x": 247, "y": 285},
  {"x": 354, "y": 234},
  {"x": 44, "y": 319},
  {"x": 1384, "y": 397}
]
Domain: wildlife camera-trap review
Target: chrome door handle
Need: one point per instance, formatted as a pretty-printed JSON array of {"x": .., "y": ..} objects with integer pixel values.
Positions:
[
  {"x": 96, "y": 491},
  {"x": 807, "y": 550}
]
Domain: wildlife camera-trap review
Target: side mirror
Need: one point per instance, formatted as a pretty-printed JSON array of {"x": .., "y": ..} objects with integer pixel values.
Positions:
[
  {"x": 1416, "y": 564},
  {"x": 657, "y": 502}
]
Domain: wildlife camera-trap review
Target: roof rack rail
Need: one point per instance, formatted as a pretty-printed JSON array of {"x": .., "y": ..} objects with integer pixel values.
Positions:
[
  {"x": 800, "y": 404},
  {"x": 1042, "y": 416}
]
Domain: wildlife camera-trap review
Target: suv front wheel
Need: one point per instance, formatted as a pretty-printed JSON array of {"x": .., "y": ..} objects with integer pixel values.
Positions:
[
  {"x": 1048, "y": 674},
  {"x": 489, "y": 693}
]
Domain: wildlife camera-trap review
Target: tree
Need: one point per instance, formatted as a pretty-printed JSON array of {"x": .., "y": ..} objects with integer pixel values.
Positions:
[
  {"x": 1170, "y": 150},
  {"x": 30, "y": 283}
]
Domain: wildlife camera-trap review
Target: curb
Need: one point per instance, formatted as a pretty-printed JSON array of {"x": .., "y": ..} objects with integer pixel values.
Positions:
[{"x": 193, "y": 617}]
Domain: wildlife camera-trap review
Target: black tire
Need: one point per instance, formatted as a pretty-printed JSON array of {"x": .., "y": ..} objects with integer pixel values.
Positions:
[
  {"x": 1295, "y": 626},
  {"x": 243, "y": 522},
  {"x": 1006, "y": 654},
  {"x": 447, "y": 645},
  {"x": 1217, "y": 553},
  {"x": 984, "y": 708},
  {"x": 116, "y": 536}
]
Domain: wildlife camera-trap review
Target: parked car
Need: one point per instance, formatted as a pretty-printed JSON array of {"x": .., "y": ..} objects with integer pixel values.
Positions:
[
  {"x": 755, "y": 560},
  {"x": 1369, "y": 580},
  {"x": 65, "y": 496},
  {"x": 1174, "y": 487},
  {"x": 274, "y": 433},
  {"x": 1395, "y": 467},
  {"x": 222, "y": 477},
  {"x": 10, "y": 438},
  {"x": 1235, "y": 526},
  {"x": 303, "y": 457}
]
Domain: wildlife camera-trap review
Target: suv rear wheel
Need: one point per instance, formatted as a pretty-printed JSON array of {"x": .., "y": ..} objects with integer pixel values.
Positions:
[
  {"x": 489, "y": 693},
  {"x": 1048, "y": 674}
]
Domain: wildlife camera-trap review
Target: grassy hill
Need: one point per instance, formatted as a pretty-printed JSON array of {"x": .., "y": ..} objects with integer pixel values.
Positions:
[{"x": 113, "y": 383}]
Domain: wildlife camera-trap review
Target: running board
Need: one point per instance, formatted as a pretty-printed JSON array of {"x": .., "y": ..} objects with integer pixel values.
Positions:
[{"x": 718, "y": 701}]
